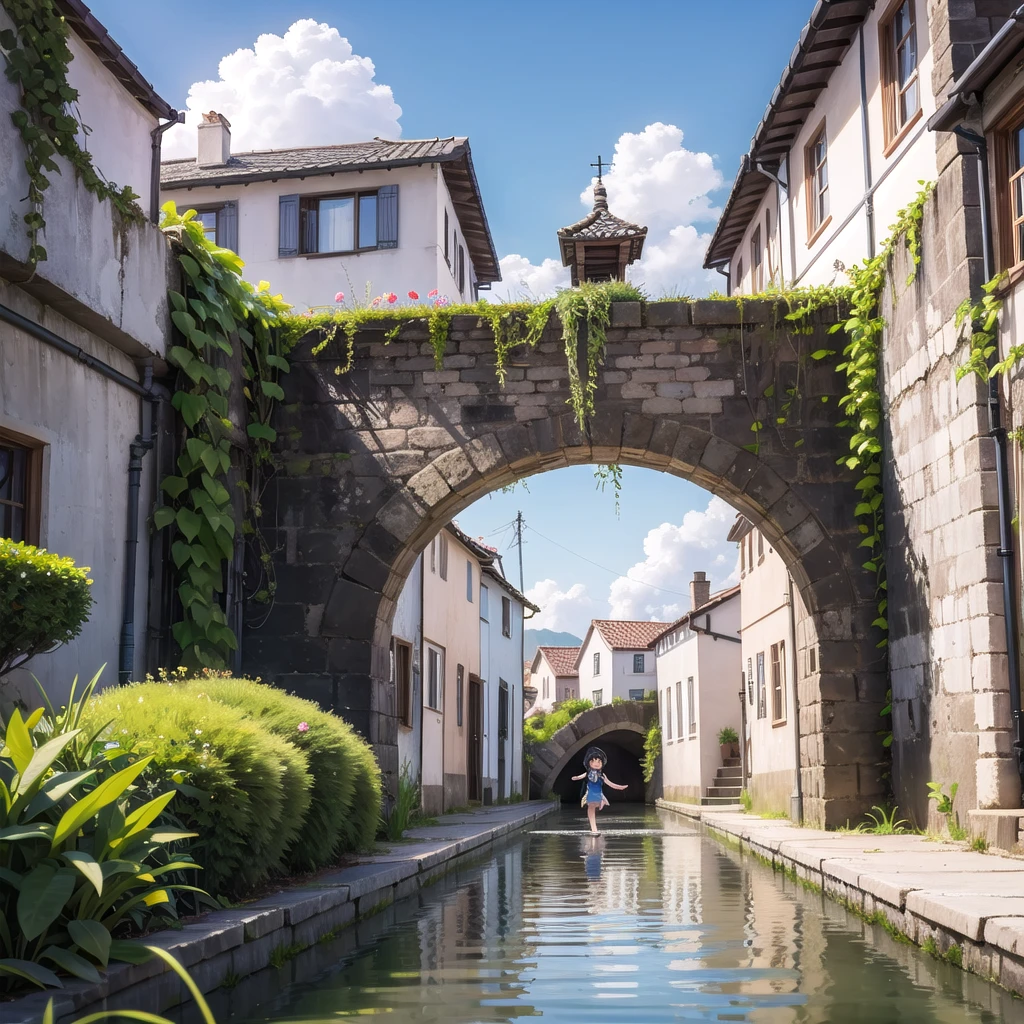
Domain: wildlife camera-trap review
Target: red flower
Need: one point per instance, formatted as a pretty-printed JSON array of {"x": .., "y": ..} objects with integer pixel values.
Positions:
[
  {"x": 392, "y": 298},
  {"x": 414, "y": 296},
  {"x": 432, "y": 293},
  {"x": 340, "y": 297}
]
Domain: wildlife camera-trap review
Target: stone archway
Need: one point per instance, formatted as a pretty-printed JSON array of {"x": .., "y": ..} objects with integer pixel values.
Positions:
[{"x": 377, "y": 459}]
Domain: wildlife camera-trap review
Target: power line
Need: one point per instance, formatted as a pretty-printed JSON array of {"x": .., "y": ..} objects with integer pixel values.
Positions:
[{"x": 604, "y": 568}]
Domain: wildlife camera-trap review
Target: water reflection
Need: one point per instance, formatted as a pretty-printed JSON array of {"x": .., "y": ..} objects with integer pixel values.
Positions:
[{"x": 647, "y": 922}]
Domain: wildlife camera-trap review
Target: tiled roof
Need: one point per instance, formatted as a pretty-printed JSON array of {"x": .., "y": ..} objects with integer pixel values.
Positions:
[
  {"x": 625, "y": 635},
  {"x": 600, "y": 224},
  {"x": 453, "y": 154},
  {"x": 561, "y": 659},
  {"x": 713, "y": 602}
]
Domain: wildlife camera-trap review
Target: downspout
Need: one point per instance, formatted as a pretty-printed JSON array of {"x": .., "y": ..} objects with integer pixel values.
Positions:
[
  {"x": 998, "y": 434},
  {"x": 156, "y": 137},
  {"x": 727, "y": 274},
  {"x": 796, "y": 801},
  {"x": 780, "y": 187},
  {"x": 869, "y": 196}
]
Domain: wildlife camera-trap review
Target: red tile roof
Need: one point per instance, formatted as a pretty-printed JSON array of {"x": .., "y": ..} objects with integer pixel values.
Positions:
[
  {"x": 561, "y": 659},
  {"x": 624, "y": 635}
]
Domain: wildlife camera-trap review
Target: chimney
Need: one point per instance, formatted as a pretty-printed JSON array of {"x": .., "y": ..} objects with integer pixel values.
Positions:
[
  {"x": 214, "y": 140},
  {"x": 700, "y": 591}
]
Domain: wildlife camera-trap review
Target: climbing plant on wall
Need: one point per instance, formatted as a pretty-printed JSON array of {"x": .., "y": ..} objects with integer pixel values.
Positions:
[
  {"x": 37, "y": 57},
  {"x": 226, "y": 328}
]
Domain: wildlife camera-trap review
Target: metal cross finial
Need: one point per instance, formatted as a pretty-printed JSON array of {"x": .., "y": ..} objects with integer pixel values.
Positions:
[{"x": 599, "y": 165}]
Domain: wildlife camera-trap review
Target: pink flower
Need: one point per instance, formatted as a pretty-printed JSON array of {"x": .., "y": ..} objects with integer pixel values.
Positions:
[
  {"x": 441, "y": 301},
  {"x": 340, "y": 297},
  {"x": 376, "y": 301},
  {"x": 414, "y": 296},
  {"x": 392, "y": 298},
  {"x": 303, "y": 727},
  {"x": 432, "y": 293}
]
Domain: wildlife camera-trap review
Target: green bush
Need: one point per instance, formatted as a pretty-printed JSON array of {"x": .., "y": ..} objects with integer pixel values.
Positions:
[
  {"x": 652, "y": 750},
  {"x": 44, "y": 600},
  {"x": 345, "y": 794},
  {"x": 539, "y": 728},
  {"x": 76, "y": 863},
  {"x": 244, "y": 790},
  {"x": 727, "y": 735}
]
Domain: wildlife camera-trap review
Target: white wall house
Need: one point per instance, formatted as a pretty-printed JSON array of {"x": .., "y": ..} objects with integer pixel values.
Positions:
[
  {"x": 840, "y": 149},
  {"x": 366, "y": 217},
  {"x": 407, "y": 671},
  {"x": 553, "y": 675},
  {"x": 615, "y": 660},
  {"x": 698, "y": 667},
  {"x": 67, "y": 427},
  {"x": 770, "y": 607}
]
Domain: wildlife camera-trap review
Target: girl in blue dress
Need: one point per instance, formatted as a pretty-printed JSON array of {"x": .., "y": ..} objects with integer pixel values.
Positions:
[{"x": 594, "y": 798}]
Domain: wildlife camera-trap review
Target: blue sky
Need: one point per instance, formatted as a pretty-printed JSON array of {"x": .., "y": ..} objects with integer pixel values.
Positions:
[{"x": 672, "y": 90}]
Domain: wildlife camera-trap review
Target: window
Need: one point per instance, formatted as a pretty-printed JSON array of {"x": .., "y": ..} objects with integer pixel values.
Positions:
[
  {"x": 691, "y": 706},
  {"x": 1008, "y": 161},
  {"x": 668, "y": 714},
  {"x": 760, "y": 547},
  {"x": 506, "y": 616},
  {"x": 768, "y": 243},
  {"x": 469, "y": 581},
  {"x": 738, "y": 286},
  {"x": 901, "y": 94},
  {"x": 756, "y": 262},
  {"x": 401, "y": 676},
  {"x": 433, "y": 555},
  {"x": 812, "y": 660},
  {"x": 220, "y": 224},
  {"x": 347, "y": 222},
  {"x": 568, "y": 693},
  {"x": 638, "y": 664},
  {"x": 778, "y": 681},
  {"x": 435, "y": 678},
  {"x": 816, "y": 183},
  {"x": 679, "y": 708},
  {"x": 461, "y": 270},
  {"x": 502, "y": 709},
  {"x": 544, "y": 688},
  {"x": 484, "y": 602},
  {"x": 750, "y": 682},
  {"x": 597, "y": 663},
  {"x": 459, "y": 686},
  {"x": 21, "y": 466},
  {"x": 636, "y": 694},
  {"x": 442, "y": 544},
  {"x": 447, "y": 251},
  {"x": 598, "y": 697},
  {"x": 762, "y": 710}
]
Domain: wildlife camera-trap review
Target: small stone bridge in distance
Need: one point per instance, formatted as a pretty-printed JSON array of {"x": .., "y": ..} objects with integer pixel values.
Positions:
[{"x": 618, "y": 729}]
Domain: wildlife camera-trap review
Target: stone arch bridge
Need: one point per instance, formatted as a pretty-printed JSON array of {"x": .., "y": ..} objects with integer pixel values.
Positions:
[
  {"x": 375, "y": 460},
  {"x": 619, "y": 729}
]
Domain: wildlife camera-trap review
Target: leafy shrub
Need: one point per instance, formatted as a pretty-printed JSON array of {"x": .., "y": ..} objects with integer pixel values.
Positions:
[
  {"x": 345, "y": 785},
  {"x": 541, "y": 727},
  {"x": 652, "y": 750},
  {"x": 44, "y": 600},
  {"x": 244, "y": 790},
  {"x": 74, "y": 860},
  {"x": 727, "y": 735},
  {"x": 406, "y": 805}
]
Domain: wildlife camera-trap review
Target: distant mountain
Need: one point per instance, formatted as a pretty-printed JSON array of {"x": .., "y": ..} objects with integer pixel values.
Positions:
[{"x": 535, "y": 638}]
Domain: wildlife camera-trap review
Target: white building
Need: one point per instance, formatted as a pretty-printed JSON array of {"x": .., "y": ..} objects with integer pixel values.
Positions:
[
  {"x": 770, "y": 606},
  {"x": 364, "y": 218},
  {"x": 80, "y": 333},
  {"x": 698, "y": 668},
  {"x": 615, "y": 660},
  {"x": 406, "y": 671},
  {"x": 553, "y": 675}
]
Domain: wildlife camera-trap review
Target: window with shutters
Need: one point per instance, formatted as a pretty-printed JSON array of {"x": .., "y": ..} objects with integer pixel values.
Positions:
[
  {"x": 21, "y": 465},
  {"x": 220, "y": 224},
  {"x": 338, "y": 223}
]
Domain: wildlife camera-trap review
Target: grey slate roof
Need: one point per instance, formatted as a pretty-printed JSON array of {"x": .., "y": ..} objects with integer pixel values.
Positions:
[
  {"x": 598, "y": 225},
  {"x": 453, "y": 154}
]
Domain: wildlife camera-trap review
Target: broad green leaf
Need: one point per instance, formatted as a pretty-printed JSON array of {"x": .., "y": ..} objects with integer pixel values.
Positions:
[
  {"x": 188, "y": 522},
  {"x": 184, "y": 321},
  {"x": 42, "y": 759},
  {"x": 163, "y": 517},
  {"x": 13, "y": 833},
  {"x": 215, "y": 489},
  {"x": 278, "y": 363},
  {"x": 44, "y": 892},
  {"x": 177, "y": 300},
  {"x": 174, "y": 485},
  {"x": 36, "y": 973},
  {"x": 171, "y": 836},
  {"x": 72, "y": 963},
  {"x": 192, "y": 407},
  {"x": 261, "y": 431},
  {"x": 18, "y": 741},
  {"x": 191, "y": 267},
  {"x": 129, "y": 952},
  {"x": 272, "y": 390},
  {"x": 144, "y": 816},
  {"x": 88, "y": 866},
  {"x": 180, "y": 356},
  {"x": 92, "y": 937}
]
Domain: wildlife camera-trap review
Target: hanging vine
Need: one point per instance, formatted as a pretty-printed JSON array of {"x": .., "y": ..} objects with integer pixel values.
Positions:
[
  {"x": 37, "y": 57},
  {"x": 983, "y": 319},
  {"x": 220, "y": 319}
]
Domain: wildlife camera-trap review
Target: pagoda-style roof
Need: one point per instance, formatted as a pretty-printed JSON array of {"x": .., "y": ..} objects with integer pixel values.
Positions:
[{"x": 601, "y": 225}]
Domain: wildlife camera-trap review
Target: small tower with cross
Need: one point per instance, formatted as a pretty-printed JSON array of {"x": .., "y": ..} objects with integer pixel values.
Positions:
[{"x": 600, "y": 246}]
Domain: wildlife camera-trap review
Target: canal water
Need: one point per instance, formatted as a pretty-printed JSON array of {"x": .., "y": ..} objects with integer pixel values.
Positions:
[{"x": 650, "y": 922}]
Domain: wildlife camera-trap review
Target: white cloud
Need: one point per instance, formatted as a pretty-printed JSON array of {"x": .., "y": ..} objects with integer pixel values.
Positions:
[
  {"x": 560, "y": 609},
  {"x": 654, "y": 180},
  {"x": 674, "y": 553},
  {"x": 305, "y": 88}
]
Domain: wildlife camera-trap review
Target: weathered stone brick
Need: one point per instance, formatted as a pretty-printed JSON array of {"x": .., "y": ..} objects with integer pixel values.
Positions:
[
  {"x": 661, "y": 406},
  {"x": 696, "y": 406},
  {"x": 674, "y": 389}
]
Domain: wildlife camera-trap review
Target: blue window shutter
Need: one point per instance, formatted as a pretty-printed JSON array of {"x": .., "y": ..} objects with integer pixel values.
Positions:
[
  {"x": 387, "y": 217},
  {"x": 227, "y": 226},
  {"x": 288, "y": 226},
  {"x": 309, "y": 218}
]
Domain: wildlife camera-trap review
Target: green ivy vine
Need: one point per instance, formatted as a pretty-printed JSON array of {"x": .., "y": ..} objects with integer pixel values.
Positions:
[
  {"x": 37, "y": 57},
  {"x": 222, "y": 324},
  {"x": 983, "y": 318}
]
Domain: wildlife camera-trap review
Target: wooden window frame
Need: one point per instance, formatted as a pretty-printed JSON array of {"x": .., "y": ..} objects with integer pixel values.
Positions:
[
  {"x": 893, "y": 133},
  {"x": 778, "y": 670},
  {"x": 33, "y": 504},
  {"x": 307, "y": 199},
  {"x": 401, "y": 654},
  {"x": 1001, "y": 172},
  {"x": 756, "y": 262},
  {"x": 811, "y": 191}
]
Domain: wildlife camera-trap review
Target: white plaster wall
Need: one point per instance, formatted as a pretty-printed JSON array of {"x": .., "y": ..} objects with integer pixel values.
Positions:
[
  {"x": 718, "y": 703},
  {"x": 111, "y": 278},
  {"x": 681, "y": 761},
  {"x": 406, "y": 626},
  {"x": 625, "y": 679},
  {"x": 86, "y": 423},
  {"x": 604, "y": 680},
  {"x": 447, "y": 282},
  {"x": 895, "y": 176}
]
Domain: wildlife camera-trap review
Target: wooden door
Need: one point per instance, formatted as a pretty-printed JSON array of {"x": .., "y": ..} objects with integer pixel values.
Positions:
[{"x": 474, "y": 742}]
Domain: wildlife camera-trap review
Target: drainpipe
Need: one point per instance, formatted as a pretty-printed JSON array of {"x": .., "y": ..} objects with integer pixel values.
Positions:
[
  {"x": 869, "y": 195},
  {"x": 156, "y": 136},
  {"x": 998, "y": 434},
  {"x": 727, "y": 274},
  {"x": 780, "y": 187},
  {"x": 796, "y": 801}
]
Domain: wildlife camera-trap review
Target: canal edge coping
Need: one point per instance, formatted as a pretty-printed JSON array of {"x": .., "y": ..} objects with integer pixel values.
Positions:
[
  {"x": 991, "y": 946},
  {"x": 235, "y": 943}
]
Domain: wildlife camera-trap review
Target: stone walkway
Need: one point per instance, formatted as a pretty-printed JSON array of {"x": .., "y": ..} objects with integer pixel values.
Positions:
[{"x": 939, "y": 894}]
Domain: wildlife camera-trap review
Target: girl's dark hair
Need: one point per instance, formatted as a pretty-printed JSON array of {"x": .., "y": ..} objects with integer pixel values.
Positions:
[{"x": 593, "y": 752}]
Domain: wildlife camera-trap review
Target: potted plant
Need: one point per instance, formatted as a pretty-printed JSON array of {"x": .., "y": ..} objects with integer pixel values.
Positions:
[{"x": 729, "y": 742}]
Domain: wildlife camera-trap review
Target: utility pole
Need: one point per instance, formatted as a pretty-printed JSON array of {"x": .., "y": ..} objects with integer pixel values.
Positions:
[{"x": 519, "y": 542}]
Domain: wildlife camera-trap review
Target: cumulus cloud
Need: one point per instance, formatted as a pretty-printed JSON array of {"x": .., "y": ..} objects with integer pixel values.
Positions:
[
  {"x": 673, "y": 554},
  {"x": 654, "y": 180},
  {"x": 305, "y": 88},
  {"x": 561, "y": 609}
]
